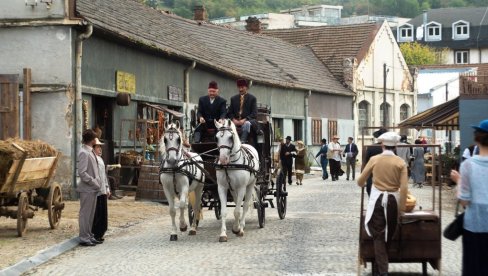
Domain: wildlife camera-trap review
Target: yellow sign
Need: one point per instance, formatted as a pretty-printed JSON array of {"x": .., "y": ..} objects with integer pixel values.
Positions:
[{"x": 126, "y": 82}]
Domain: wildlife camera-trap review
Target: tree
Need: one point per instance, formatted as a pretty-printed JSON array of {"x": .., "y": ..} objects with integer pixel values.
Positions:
[{"x": 418, "y": 54}]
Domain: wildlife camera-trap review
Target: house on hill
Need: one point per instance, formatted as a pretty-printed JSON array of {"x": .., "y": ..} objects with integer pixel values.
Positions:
[
  {"x": 463, "y": 31},
  {"x": 357, "y": 56},
  {"x": 83, "y": 54}
]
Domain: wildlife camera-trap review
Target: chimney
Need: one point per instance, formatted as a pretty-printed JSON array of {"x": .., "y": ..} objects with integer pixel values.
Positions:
[
  {"x": 253, "y": 25},
  {"x": 199, "y": 13}
]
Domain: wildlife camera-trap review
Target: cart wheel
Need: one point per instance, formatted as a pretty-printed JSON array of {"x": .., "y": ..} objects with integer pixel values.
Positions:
[
  {"x": 217, "y": 210},
  {"x": 281, "y": 195},
  {"x": 22, "y": 218},
  {"x": 55, "y": 205},
  {"x": 191, "y": 215},
  {"x": 259, "y": 205}
]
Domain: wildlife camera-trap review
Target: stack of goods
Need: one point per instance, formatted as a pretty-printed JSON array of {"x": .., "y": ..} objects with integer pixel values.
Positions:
[
  {"x": 8, "y": 153},
  {"x": 130, "y": 158}
]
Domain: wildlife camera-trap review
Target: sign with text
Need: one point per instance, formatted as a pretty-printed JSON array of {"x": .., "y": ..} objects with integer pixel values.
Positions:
[
  {"x": 174, "y": 93},
  {"x": 125, "y": 82}
]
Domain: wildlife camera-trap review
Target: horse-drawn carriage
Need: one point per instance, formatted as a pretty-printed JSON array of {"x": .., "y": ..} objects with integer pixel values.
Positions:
[
  {"x": 26, "y": 184},
  {"x": 232, "y": 172}
]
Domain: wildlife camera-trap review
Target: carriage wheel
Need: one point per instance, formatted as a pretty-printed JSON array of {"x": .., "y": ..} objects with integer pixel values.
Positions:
[
  {"x": 22, "y": 217},
  {"x": 259, "y": 205},
  {"x": 281, "y": 195},
  {"x": 191, "y": 215},
  {"x": 55, "y": 205},
  {"x": 217, "y": 209}
]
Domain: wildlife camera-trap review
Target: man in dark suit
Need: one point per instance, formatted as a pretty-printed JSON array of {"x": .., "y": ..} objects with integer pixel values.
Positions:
[
  {"x": 371, "y": 151},
  {"x": 243, "y": 110},
  {"x": 287, "y": 152},
  {"x": 88, "y": 187},
  {"x": 211, "y": 107},
  {"x": 350, "y": 152}
]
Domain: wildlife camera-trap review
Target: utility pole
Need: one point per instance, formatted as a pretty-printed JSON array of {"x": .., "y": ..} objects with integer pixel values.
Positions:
[{"x": 384, "y": 96}]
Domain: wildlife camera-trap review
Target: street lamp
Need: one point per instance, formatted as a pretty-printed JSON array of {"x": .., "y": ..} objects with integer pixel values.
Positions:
[{"x": 385, "y": 72}]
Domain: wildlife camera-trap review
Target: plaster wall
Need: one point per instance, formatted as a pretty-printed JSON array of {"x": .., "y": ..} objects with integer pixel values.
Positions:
[{"x": 28, "y": 9}]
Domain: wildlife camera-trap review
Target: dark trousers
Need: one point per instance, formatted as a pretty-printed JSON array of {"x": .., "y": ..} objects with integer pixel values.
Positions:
[
  {"x": 335, "y": 168},
  {"x": 377, "y": 226},
  {"x": 475, "y": 253},
  {"x": 351, "y": 166},
  {"x": 324, "y": 162},
  {"x": 100, "y": 221},
  {"x": 287, "y": 170}
]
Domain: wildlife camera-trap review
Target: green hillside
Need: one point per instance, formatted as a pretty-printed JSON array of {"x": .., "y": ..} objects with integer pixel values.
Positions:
[{"x": 234, "y": 8}]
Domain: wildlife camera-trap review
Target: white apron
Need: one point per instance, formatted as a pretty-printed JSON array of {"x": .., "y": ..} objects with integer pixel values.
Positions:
[{"x": 375, "y": 194}]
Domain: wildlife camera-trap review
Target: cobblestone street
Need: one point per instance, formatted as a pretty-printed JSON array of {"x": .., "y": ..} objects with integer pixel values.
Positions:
[{"x": 318, "y": 236}]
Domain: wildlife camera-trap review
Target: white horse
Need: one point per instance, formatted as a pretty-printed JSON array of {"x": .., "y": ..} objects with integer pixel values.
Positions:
[
  {"x": 240, "y": 181},
  {"x": 179, "y": 176}
]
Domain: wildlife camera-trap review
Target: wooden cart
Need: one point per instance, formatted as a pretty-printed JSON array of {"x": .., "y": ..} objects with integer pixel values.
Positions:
[
  {"x": 27, "y": 186},
  {"x": 418, "y": 235}
]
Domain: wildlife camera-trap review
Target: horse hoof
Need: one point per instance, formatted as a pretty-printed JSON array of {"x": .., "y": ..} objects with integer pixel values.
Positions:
[
  {"x": 222, "y": 239},
  {"x": 240, "y": 234},
  {"x": 183, "y": 229},
  {"x": 173, "y": 237},
  {"x": 236, "y": 232},
  {"x": 192, "y": 233}
]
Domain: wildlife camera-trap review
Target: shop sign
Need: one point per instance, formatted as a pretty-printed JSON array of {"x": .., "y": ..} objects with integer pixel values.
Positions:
[
  {"x": 174, "y": 93},
  {"x": 126, "y": 82}
]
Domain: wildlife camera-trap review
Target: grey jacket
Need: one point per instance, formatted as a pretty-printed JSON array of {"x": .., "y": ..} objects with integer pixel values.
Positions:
[{"x": 88, "y": 171}]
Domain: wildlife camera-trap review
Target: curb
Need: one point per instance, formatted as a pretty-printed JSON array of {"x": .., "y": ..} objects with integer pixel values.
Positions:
[{"x": 40, "y": 258}]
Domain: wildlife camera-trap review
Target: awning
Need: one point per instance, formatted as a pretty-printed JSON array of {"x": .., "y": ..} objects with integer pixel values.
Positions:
[
  {"x": 442, "y": 117},
  {"x": 165, "y": 109}
]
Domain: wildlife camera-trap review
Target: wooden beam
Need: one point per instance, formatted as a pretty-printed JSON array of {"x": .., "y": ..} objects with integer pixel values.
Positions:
[{"x": 27, "y": 104}]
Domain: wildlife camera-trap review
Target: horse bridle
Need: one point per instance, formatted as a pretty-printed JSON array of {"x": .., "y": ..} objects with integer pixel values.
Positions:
[
  {"x": 171, "y": 132},
  {"x": 229, "y": 129}
]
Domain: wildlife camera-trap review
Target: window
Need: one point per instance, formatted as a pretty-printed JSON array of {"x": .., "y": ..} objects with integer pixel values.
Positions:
[
  {"x": 383, "y": 123},
  {"x": 332, "y": 129},
  {"x": 405, "y": 33},
  {"x": 461, "y": 57},
  {"x": 460, "y": 30},
  {"x": 278, "y": 129},
  {"x": 404, "y": 114},
  {"x": 316, "y": 131},
  {"x": 363, "y": 117},
  {"x": 297, "y": 130},
  {"x": 433, "y": 31}
]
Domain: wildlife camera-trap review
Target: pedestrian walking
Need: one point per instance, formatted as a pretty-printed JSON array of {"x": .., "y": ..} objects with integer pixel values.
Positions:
[
  {"x": 404, "y": 153},
  {"x": 418, "y": 165},
  {"x": 300, "y": 161},
  {"x": 371, "y": 151},
  {"x": 335, "y": 158},
  {"x": 323, "y": 158},
  {"x": 473, "y": 195},
  {"x": 350, "y": 153},
  {"x": 100, "y": 220},
  {"x": 287, "y": 152},
  {"x": 88, "y": 188},
  {"x": 388, "y": 194}
]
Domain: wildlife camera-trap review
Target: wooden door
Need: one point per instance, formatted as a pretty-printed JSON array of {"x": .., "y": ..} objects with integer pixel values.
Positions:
[{"x": 9, "y": 106}]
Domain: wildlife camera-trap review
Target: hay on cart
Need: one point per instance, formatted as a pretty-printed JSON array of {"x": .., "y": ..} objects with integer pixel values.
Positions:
[{"x": 8, "y": 153}]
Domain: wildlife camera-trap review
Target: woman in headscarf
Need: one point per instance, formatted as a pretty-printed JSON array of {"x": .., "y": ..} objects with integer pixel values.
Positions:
[
  {"x": 300, "y": 161},
  {"x": 418, "y": 166}
]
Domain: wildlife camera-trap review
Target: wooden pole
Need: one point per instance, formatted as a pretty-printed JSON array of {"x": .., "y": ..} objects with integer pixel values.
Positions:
[{"x": 27, "y": 104}]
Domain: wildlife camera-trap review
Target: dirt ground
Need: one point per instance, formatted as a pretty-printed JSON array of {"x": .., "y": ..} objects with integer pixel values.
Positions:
[{"x": 122, "y": 214}]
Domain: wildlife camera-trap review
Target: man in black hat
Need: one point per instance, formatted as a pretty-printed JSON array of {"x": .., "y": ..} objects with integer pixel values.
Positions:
[
  {"x": 211, "y": 107},
  {"x": 243, "y": 110},
  {"x": 371, "y": 151},
  {"x": 287, "y": 152}
]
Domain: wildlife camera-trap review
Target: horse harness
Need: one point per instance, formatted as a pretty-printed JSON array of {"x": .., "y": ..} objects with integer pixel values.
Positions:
[{"x": 190, "y": 173}]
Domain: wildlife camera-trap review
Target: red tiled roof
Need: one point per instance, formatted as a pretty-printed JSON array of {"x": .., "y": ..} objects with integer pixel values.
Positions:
[{"x": 332, "y": 44}]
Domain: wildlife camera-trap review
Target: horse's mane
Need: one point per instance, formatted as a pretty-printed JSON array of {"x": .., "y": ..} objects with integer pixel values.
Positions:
[
  {"x": 235, "y": 135},
  {"x": 162, "y": 146}
]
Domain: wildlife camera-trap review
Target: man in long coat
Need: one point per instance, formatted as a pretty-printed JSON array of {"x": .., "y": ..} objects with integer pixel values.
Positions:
[
  {"x": 211, "y": 107},
  {"x": 287, "y": 152},
  {"x": 243, "y": 110}
]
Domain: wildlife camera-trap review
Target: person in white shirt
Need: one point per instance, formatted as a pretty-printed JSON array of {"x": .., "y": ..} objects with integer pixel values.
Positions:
[
  {"x": 335, "y": 158},
  {"x": 100, "y": 221}
]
